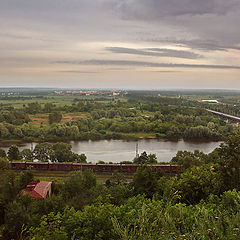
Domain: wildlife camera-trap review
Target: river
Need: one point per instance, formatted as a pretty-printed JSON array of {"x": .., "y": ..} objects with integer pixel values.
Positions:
[{"x": 120, "y": 150}]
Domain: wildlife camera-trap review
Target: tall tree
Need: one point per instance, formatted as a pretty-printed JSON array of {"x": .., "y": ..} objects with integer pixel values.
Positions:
[
  {"x": 229, "y": 162},
  {"x": 13, "y": 153},
  {"x": 54, "y": 117},
  {"x": 145, "y": 180}
]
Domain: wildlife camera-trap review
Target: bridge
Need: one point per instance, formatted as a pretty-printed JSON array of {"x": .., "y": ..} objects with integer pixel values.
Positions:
[{"x": 226, "y": 116}]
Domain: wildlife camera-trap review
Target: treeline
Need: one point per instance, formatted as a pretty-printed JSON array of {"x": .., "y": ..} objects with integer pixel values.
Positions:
[
  {"x": 202, "y": 202},
  {"x": 180, "y": 126},
  {"x": 44, "y": 152},
  {"x": 158, "y": 117}
]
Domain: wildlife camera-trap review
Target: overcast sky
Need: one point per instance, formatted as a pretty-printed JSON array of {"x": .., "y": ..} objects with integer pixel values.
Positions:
[{"x": 141, "y": 44}]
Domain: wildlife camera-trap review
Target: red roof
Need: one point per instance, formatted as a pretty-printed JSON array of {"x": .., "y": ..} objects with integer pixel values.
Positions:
[{"x": 37, "y": 189}]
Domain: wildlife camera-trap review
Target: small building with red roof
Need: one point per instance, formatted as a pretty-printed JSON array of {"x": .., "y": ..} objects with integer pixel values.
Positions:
[{"x": 38, "y": 189}]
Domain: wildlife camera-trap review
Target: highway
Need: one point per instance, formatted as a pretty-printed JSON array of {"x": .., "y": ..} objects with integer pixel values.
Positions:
[{"x": 228, "y": 116}]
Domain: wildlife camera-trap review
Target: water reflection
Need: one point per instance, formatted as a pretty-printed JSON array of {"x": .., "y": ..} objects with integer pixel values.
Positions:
[{"x": 120, "y": 150}]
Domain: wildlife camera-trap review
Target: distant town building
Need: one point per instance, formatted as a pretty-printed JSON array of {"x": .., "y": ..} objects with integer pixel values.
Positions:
[
  {"x": 38, "y": 189},
  {"x": 210, "y": 100}
]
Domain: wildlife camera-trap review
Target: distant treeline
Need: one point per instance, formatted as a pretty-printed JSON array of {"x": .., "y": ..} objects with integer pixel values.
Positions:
[{"x": 131, "y": 117}]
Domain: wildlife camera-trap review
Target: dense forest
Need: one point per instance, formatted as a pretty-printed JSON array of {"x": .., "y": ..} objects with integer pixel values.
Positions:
[
  {"x": 201, "y": 202},
  {"x": 130, "y": 116}
]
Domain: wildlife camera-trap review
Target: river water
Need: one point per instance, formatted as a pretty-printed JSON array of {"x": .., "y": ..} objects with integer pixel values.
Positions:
[{"x": 120, "y": 150}]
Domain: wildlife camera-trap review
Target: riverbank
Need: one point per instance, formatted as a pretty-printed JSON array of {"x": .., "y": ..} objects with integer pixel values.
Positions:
[
  {"x": 123, "y": 137},
  {"x": 124, "y": 150}
]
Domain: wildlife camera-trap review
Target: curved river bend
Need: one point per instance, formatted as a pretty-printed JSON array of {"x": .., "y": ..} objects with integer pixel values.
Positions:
[{"x": 120, "y": 150}]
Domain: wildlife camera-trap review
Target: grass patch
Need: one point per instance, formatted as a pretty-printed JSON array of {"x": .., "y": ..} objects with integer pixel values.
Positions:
[{"x": 42, "y": 118}]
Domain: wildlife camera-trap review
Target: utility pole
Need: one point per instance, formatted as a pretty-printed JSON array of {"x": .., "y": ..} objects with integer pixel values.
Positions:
[{"x": 137, "y": 155}]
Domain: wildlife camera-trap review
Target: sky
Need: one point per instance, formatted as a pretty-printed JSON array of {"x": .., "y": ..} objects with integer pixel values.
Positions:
[{"x": 139, "y": 44}]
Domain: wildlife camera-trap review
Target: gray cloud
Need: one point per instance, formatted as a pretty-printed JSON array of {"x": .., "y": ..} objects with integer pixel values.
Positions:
[
  {"x": 30, "y": 31},
  {"x": 23, "y": 37},
  {"x": 144, "y": 64},
  {"x": 205, "y": 45},
  {"x": 157, "y": 52},
  {"x": 155, "y": 9},
  {"x": 217, "y": 20},
  {"x": 76, "y": 71},
  {"x": 166, "y": 71}
]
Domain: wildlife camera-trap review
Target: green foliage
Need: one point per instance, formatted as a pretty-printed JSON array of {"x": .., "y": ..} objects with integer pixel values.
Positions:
[
  {"x": 187, "y": 159},
  {"x": 57, "y": 152},
  {"x": 54, "y": 117},
  {"x": 4, "y": 164},
  {"x": 13, "y": 153},
  {"x": 142, "y": 116},
  {"x": 141, "y": 218},
  {"x": 200, "y": 132},
  {"x": 14, "y": 117},
  {"x": 16, "y": 216},
  {"x": 145, "y": 158},
  {"x": 77, "y": 188},
  {"x": 3, "y": 153},
  {"x": 61, "y": 152},
  {"x": 48, "y": 107},
  {"x": 82, "y": 158},
  {"x": 9, "y": 187},
  {"x": 24, "y": 178},
  {"x": 43, "y": 151},
  {"x": 145, "y": 180},
  {"x": 27, "y": 154},
  {"x": 51, "y": 228},
  {"x": 229, "y": 162},
  {"x": 196, "y": 183},
  {"x": 33, "y": 108}
]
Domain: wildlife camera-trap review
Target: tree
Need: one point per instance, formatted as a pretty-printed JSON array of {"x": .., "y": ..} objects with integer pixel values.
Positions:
[
  {"x": 116, "y": 179},
  {"x": 196, "y": 183},
  {"x": 144, "y": 158},
  {"x": 13, "y": 153},
  {"x": 27, "y": 154},
  {"x": 145, "y": 180},
  {"x": 54, "y": 117},
  {"x": 4, "y": 132},
  {"x": 43, "y": 152},
  {"x": 16, "y": 216},
  {"x": 51, "y": 227},
  {"x": 3, "y": 153},
  {"x": 8, "y": 187},
  {"x": 77, "y": 187},
  {"x": 187, "y": 159},
  {"x": 229, "y": 162},
  {"x": 34, "y": 107},
  {"x": 83, "y": 158},
  {"x": 24, "y": 178},
  {"x": 48, "y": 107},
  {"x": 4, "y": 164},
  {"x": 61, "y": 152}
]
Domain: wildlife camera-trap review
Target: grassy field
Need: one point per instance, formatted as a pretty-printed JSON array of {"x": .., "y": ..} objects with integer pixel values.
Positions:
[
  {"x": 60, "y": 175},
  {"x": 59, "y": 101},
  {"x": 42, "y": 119}
]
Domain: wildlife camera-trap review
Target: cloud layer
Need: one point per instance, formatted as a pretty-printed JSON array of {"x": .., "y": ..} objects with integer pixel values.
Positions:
[
  {"x": 156, "y": 52},
  {"x": 131, "y": 36},
  {"x": 145, "y": 64}
]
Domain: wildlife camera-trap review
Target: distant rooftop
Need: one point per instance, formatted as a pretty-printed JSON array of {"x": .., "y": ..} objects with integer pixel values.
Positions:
[
  {"x": 37, "y": 189},
  {"x": 210, "y": 100}
]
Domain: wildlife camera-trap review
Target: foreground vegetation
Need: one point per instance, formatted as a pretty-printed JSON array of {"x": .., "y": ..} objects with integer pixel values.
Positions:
[{"x": 202, "y": 202}]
